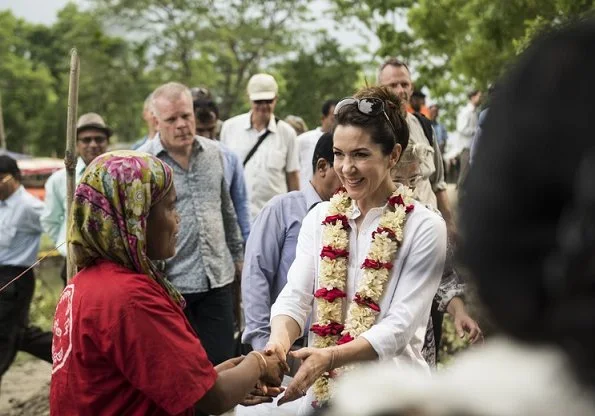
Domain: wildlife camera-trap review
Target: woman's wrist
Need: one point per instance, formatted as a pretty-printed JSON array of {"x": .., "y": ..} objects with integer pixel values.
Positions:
[{"x": 262, "y": 362}]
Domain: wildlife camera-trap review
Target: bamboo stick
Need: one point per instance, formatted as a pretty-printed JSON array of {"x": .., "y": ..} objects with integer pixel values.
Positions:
[{"x": 70, "y": 156}]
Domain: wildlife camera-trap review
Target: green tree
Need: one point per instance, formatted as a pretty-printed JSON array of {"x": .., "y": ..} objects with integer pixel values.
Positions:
[
  {"x": 215, "y": 44},
  {"x": 27, "y": 93},
  {"x": 312, "y": 77},
  {"x": 457, "y": 45}
]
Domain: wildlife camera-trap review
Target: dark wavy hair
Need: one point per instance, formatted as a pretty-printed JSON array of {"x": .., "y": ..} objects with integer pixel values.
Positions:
[
  {"x": 377, "y": 127},
  {"x": 528, "y": 220}
]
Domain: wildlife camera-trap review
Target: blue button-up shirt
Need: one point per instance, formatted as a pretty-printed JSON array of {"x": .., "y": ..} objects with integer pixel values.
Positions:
[
  {"x": 209, "y": 239},
  {"x": 20, "y": 229},
  {"x": 234, "y": 176},
  {"x": 270, "y": 251}
]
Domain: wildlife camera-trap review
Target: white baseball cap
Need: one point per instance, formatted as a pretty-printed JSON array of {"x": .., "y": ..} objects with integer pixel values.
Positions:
[{"x": 262, "y": 87}]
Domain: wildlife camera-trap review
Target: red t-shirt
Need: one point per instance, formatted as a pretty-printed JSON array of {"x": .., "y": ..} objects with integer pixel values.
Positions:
[{"x": 123, "y": 347}]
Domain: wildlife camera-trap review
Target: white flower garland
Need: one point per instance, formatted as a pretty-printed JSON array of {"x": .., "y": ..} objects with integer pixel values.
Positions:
[{"x": 364, "y": 308}]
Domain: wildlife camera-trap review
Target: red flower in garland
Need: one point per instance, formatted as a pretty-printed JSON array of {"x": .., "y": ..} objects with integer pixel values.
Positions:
[
  {"x": 390, "y": 233},
  {"x": 329, "y": 295},
  {"x": 332, "y": 219},
  {"x": 398, "y": 200},
  {"x": 333, "y": 253},
  {"x": 345, "y": 339},
  {"x": 366, "y": 302},
  {"x": 373, "y": 264},
  {"x": 334, "y": 328}
]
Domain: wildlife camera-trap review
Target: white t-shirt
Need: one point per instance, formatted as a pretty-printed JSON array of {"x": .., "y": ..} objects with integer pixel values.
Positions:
[
  {"x": 265, "y": 171},
  {"x": 307, "y": 143},
  {"x": 400, "y": 327}
]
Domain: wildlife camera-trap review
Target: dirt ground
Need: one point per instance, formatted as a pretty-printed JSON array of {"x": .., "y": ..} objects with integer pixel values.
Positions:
[{"x": 25, "y": 389}]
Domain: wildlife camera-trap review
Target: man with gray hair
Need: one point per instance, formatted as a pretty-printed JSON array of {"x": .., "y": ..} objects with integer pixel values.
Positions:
[
  {"x": 150, "y": 120},
  {"x": 209, "y": 243},
  {"x": 395, "y": 75}
]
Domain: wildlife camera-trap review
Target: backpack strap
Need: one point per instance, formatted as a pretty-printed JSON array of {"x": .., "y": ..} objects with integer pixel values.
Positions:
[
  {"x": 426, "y": 126},
  {"x": 258, "y": 143}
]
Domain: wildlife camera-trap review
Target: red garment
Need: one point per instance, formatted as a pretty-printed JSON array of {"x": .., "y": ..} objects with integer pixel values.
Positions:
[{"x": 123, "y": 347}]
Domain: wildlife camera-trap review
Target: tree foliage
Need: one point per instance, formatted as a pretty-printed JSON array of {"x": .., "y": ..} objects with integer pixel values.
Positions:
[
  {"x": 219, "y": 44},
  {"x": 312, "y": 77},
  {"x": 456, "y": 45}
]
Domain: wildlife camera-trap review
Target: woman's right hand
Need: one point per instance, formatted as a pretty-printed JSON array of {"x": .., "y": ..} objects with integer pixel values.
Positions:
[
  {"x": 272, "y": 373},
  {"x": 277, "y": 349}
]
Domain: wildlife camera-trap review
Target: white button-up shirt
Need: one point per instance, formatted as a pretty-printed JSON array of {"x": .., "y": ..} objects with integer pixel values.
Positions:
[
  {"x": 405, "y": 306},
  {"x": 277, "y": 155},
  {"x": 307, "y": 143}
]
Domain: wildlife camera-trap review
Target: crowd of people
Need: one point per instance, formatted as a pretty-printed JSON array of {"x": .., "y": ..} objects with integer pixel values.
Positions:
[{"x": 239, "y": 264}]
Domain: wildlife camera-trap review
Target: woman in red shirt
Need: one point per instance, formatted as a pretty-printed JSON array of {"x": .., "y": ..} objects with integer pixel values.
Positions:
[{"x": 122, "y": 345}]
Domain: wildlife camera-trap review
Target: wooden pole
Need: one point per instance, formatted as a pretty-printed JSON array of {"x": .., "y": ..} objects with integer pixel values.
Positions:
[
  {"x": 70, "y": 156},
  {"x": 2, "y": 136}
]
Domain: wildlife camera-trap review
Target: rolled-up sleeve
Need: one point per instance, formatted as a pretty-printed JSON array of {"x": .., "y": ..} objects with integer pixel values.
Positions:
[
  {"x": 261, "y": 262},
  {"x": 295, "y": 300},
  {"x": 418, "y": 282}
]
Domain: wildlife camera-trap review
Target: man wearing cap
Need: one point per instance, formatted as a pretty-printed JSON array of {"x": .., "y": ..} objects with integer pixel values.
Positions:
[
  {"x": 20, "y": 232},
  {"x": 91, "y": 141},
  {"x": 267, "y": 147}
]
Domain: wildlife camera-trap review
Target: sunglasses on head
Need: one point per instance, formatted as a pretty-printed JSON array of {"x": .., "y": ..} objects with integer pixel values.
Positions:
[
  {"x": 369, "y": 106},
  {"x": 263, "y": 101},
  {"x": 89, "y": 139}
]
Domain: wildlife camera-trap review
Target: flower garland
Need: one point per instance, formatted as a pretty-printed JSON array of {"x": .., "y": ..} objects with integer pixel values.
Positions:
[{"x": 364, "y": 307}]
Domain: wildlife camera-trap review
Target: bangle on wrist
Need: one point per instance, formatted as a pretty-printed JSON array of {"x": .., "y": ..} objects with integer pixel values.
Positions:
[
  {"x": 332, "y": 363},
  {"x": 264, "y": 361}
]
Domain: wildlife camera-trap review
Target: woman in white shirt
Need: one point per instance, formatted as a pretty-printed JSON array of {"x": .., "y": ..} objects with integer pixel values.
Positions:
[{"x": 368, "y": 263}]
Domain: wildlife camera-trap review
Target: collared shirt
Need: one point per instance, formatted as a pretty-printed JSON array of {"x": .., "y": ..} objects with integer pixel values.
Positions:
[
  {"x": 307, "y": 143},
  {"x": 432, "y": 168},
  {"x": 234, "y": 176},
  {"x": 265, "y": 173},
  {"x": 209, "y": 240},
  {"x": 53, "y": 218},
  {"x": 467, "y": 121},
  {"x": 20, "y": 229},
  {"x": 405, "y": 306},
  {"x": 139, "y": 143},
  {"x": 270, "y": 251}
]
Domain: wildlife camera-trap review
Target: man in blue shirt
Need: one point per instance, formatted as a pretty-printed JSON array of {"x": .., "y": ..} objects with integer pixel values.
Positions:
[
  {"x": 270, "y": 250},
  {"x": 20, "y": 231},
  {"x": 206, "y": 126}
]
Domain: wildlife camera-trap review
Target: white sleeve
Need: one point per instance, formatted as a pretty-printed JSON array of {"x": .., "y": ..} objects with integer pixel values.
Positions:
[
  {"x": 412, "y": 299},
  {"x": 292, "y": 162},
  {"x": 296, "y": 298}
]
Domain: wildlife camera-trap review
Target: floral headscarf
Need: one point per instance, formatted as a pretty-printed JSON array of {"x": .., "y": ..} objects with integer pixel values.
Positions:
[{"x": 110, "y": 210}]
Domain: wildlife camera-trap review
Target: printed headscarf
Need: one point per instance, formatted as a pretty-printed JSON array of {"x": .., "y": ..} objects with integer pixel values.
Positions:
[{"x": 110, "y": 210}]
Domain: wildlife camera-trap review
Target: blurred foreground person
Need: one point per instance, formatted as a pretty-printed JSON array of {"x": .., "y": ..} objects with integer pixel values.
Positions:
[
  {"x": 122, "y": 344},
  {"x": 529, "y": 239}
]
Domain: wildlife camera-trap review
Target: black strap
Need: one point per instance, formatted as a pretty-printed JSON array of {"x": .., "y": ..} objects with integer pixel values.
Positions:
[
  {"x": 426, "y": 126},
  {"x": 258, "y": 143}
]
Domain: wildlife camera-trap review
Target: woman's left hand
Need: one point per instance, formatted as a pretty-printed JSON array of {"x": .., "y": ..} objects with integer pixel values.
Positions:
[
  {"x": 465, "y": 324},
  {"x": 315, "y": 362}
]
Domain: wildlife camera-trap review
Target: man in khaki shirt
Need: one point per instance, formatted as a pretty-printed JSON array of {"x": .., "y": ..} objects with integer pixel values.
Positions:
[{"x": 432, "y": 189}]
